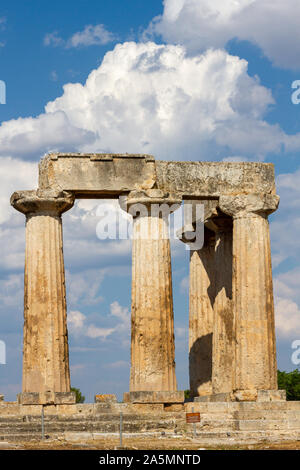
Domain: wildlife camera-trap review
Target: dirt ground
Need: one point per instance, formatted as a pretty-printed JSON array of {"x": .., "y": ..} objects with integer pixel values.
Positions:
[{"x": 143, "y": 444}]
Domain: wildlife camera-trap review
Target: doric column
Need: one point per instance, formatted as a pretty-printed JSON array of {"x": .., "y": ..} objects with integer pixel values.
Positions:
[
  {"x": 223, "y": 327},
  {"x": 46, "y": 374},
  {"x": 152, "y": 324},
  {"x": 255, "y": 355},
  {"x": 201, "y": 300}
]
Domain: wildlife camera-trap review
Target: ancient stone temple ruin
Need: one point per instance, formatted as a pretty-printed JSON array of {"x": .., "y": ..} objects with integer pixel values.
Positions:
[{"x": 231, "y": 326}]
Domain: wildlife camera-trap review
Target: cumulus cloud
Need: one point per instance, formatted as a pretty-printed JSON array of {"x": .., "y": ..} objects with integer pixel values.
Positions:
[
  {"x": 14, "y": 174},
  {"x": 76, "y": 321},
  {"x": 80, "y": 325},
  {"x": 199, "y": 24},
  {"x": 92, "y": 35},
  {"x": 36, "y": 136},
  {"x": 83, "y": 287},
  {"x": 11, "y": 290},
  {"x": 95, "y": 332},
  {"x": 287, "y": 301},
  {"x": 180, "y": 107},
  {"x": 287, "y": 318},
  {"x": 83, "y": 249},
  {"x": 286, "y": 221},
  {"x": 122, "y": 313}
]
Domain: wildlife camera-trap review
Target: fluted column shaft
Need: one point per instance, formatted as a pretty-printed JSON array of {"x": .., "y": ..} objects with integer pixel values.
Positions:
[
  {"x": 201, "y": 298},
  {"x": 223, "y": 324},
  {"x": 255, "y": 354},
  {"x": 152, "y": 322},
  {"x": 45, "y": 351}
]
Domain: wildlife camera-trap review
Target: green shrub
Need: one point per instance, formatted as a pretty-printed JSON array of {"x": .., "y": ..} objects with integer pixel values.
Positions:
[
  {"x": 79, "y": 398},
  {"x": 290, "y": 381}
]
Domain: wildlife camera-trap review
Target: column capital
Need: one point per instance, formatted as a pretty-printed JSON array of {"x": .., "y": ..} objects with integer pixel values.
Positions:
[
  {"x": 153, "y": 196},
  {"x": 149, "y": 199},
  {"x": 249, "y": 205},
  {"x": 41, "y": 202}
]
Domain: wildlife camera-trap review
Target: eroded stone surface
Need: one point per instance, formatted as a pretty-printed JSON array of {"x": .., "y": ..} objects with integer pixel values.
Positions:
[
  {"x": 152, "y": 322},
  {"x": 115, "y": 174},
  {"x": 155, "y": 397},
  {"x": 45, "y": 349},
  {"x": 111, "y": 174},
  {"x": 239, "y": 318}
]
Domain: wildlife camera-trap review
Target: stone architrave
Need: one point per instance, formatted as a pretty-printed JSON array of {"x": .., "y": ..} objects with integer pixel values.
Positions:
[
  {"x": 255, "y": 350},
  {"x": 152, "y": 322},
  {"x": 46, "y": 374}
]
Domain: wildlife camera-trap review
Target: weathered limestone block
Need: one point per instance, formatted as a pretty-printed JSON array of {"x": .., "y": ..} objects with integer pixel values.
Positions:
[
  {"x": 152, "y": 323},
  {"x": 155, "y": 397},
  {"x": 255, "y": 355},
  {"x": 46, "y": 398},
  {"x": 244, "y": 395},
  {"x": 201, "y": 314},
  {"x": 223, "y": 322},
  {"x": 89, "y": 174},
  {"x": 105, "y": 398},
  {"x": 204, "y": 179},
  {"x": 93, "y": 173},
  {"x": 45, "y": 351},
  {"x": 271, "y": 395}
]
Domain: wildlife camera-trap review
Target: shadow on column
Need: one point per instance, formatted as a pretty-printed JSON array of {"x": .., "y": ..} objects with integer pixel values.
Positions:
[{"x": 200, "y": 358}]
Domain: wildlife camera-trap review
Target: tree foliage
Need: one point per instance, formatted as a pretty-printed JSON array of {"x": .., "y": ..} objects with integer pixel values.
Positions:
[
  {"x": 290, "y": 381},
  {"x": 79, "y": 397}
]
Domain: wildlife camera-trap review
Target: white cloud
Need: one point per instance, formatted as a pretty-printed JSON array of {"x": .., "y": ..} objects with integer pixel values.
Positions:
[
  {"x": 287, "y": 301},
  {"x": 76, "y": 321},
  {"x": 39, "y": 135},
  {"x": 53, "y": 39},
  {"x": 234, "y": 159},
  {"x": 82, "y": 248},
  {"x": 287, "y": 318},
  {"x": 199, "y": 24},
  {"x": 285, "y": 223},
  {"x": 83, "y": 287},
  {"x": 180, "y": 107},
  {"x": 95, "y": 332},
  {"x": 92, "y": 35},
  {"x": 184, "y": 285},
  {"x": 11, "y": 291},
  {"x": 79, "y": 325},
  {"x": 15, "y": 175},
  {"x": 123, "y": 314}
]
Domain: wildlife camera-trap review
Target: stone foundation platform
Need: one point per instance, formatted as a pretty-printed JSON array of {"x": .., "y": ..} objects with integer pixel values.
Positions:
[
  {"x": 245, "y": 395},
  {"x": 227, "y": 423}
]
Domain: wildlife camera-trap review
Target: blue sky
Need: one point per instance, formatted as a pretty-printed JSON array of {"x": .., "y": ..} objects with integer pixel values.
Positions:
[{"x": 181, "y": 79}]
